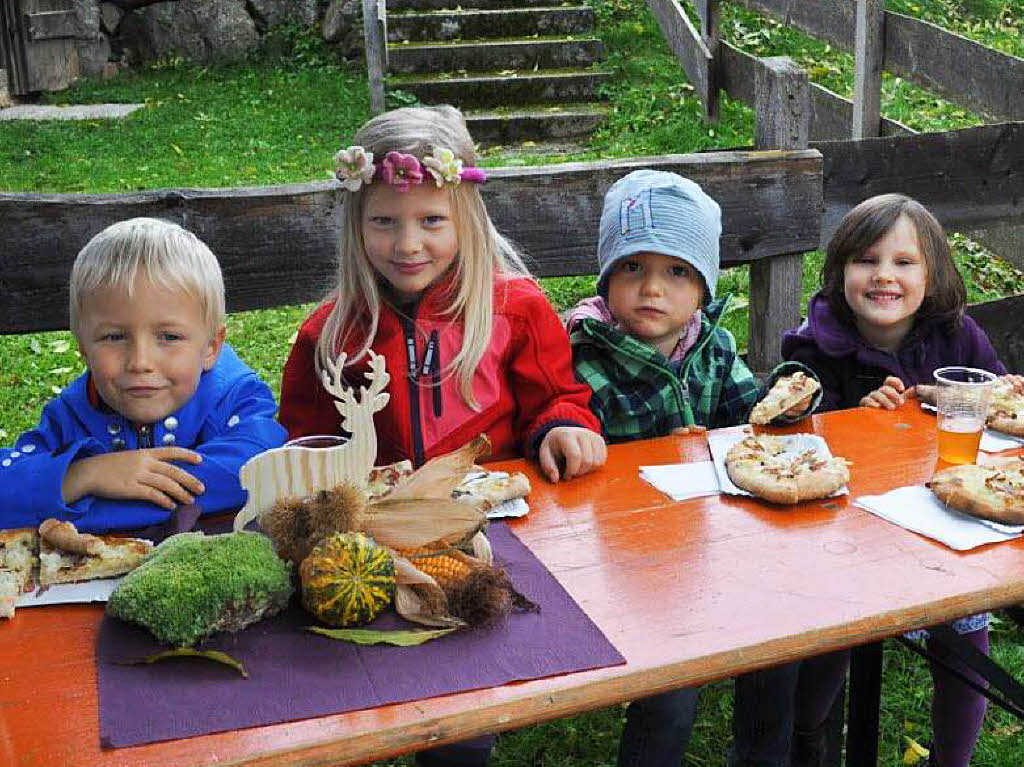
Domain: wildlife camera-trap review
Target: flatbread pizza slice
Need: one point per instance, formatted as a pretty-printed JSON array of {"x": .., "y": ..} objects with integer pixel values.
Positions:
[
  {"x": 995, "y": 493},
  {"x": 10, "y": 590},
  {"x": 67, "y": 556},
  {"x": 786, "y": 392},
  {"x": 1006, "y": 409},
  {"x": 764, "y": 466},
  {"x": 19, "y": 554},
  {"x": 493, "y": 488}
]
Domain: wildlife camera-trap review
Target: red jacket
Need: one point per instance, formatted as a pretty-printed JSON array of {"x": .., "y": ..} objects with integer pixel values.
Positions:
[{"x": 524, "y": 383}]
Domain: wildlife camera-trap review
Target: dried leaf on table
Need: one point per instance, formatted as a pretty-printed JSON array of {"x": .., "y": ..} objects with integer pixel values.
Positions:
[
  {"x": 370, "y": 636},
  {"x": 187, "y": 652}
]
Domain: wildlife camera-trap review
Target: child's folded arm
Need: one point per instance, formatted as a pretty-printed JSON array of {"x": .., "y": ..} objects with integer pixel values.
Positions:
[{"x": 739, "y": 389}]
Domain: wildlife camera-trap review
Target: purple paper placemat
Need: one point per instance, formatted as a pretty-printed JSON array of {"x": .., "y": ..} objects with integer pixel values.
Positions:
[{"x": 294, "y": 674}]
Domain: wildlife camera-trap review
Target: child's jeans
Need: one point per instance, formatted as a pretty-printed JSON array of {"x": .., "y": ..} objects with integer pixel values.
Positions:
[
  {"x": 658, "y": 728},
  {"x": 466, "y": 753}
]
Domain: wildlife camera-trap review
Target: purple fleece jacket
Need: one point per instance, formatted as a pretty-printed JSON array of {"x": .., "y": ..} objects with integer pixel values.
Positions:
[{"x": 849, "y": 368}]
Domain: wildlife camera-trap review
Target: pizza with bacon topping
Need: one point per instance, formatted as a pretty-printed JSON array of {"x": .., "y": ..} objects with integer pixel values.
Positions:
[
  {"x": 785, "y": 393},
  {"x": 1006, "y": 409},
  {"x": 766, "y": 467},
  {"x": 995, "y": 493}
]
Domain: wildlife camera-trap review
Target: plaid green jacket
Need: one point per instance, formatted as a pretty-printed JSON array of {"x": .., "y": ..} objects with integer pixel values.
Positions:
[{"x": 637, "y": 393}]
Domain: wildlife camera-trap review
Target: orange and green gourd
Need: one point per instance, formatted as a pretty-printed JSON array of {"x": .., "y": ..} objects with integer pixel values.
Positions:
[{"x": 347, "y": 579}]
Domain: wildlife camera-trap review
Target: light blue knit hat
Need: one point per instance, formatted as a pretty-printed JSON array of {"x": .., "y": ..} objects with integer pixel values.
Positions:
[{"x": 652, "y": 211}]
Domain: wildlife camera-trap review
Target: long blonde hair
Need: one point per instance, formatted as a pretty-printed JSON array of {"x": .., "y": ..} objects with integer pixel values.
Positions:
[{"x": 484, "y": 254}]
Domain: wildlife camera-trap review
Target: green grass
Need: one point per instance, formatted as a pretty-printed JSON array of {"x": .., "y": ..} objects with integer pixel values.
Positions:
[{"x": 281, "y": 117}]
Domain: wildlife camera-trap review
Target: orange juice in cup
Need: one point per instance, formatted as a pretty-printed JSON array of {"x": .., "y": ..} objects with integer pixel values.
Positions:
[{"x": 962, "y": 396}]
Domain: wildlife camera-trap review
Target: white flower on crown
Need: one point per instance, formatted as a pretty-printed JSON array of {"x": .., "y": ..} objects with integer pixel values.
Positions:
[
  {"x": 354, "y": 167},
  {"x": 444, "y": 166}
]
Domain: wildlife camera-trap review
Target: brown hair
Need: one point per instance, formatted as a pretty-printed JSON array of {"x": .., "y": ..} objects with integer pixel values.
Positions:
[{"x": 862, "y": 227}]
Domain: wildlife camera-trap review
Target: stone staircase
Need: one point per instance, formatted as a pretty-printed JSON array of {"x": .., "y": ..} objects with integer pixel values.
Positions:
[{"x": 526, "y": 73}]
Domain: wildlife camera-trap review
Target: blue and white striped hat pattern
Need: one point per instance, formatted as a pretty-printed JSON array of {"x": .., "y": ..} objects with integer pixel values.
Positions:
[{"x": 653, "y": 211}]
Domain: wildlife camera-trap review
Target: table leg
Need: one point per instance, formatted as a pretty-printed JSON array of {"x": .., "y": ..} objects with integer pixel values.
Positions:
[{"x": 865, "y": 691}]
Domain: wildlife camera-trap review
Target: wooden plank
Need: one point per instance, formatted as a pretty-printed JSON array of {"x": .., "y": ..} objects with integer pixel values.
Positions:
[
  {"x": 688, "y": 46},
  {"x": 375, "y": 53},
  {"x": 782, "y": 106},
  {"x": 1001, "y": 321},
  {"x": 771, "y": 204},
  {"x": 831, "y": 114},
  {"x": 54, "y": 25},
  {"x": 12, "y": 47},
  {"x": 969, "y": 178},
  {"x": 964, "y": 71},
  {"x": 868, "y": 55}
]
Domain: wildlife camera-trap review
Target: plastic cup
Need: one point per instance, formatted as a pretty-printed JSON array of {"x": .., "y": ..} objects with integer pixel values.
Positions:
[
  {"x": 317, "y": 441},
  {"x": 962, "y": 396}
]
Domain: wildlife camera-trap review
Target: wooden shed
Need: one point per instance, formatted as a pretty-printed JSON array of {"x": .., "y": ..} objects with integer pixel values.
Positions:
[{"x": 37, "y": 44}]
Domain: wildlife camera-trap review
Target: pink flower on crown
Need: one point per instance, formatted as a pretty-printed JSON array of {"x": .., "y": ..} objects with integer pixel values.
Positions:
[
  {"x": 444, "y": 167},
  {"x": 401, "y": 170},
  {"x": 354, "y": 167}
]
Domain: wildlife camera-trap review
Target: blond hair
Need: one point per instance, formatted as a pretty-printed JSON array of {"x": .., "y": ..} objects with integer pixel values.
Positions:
[
  {"x": 484, "y": 254},
  {"x": 158, "y": 251}
]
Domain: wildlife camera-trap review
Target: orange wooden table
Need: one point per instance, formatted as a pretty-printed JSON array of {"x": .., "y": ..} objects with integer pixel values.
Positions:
[{"x": 688, "y": 592}]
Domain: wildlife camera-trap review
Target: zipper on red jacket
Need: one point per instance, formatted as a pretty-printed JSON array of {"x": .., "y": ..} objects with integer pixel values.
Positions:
[
  {"x": 409, "y": 329},
  {"x": 432, "y": 367}
]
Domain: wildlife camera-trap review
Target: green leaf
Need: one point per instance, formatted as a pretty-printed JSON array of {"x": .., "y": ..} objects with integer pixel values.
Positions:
[
  {"x": 188, "y": 652},
  {"x": 369, "y": 636},
  {"x": 60, "y": 346}
]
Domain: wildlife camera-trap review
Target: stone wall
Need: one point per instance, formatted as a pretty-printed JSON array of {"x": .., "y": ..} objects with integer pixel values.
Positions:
[{"x": 203, "y": 31}]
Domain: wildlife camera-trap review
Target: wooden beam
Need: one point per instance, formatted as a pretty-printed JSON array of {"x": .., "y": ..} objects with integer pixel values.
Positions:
[
  {"x": 782, "y": 120},
  {"x": 969, "y": 179},
  {"x": 688, "y": 46},
  {"x": 54, "y": 25},
  {"x": 375, "y": 52},
  {"x": 710, "y": 18},
  {"x": 278, "y": 245},
  {"x": 868, "y": 55},
  {"x": 969, "y": 73}
]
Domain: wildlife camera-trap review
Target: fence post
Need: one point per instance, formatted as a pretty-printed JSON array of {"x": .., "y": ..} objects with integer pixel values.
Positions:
[
  {"x": 709, "y": 20},
  {"x": 376, "y": 47},
  {"x": 869, "y": 46},
  {"x": 783, "y": 107}
]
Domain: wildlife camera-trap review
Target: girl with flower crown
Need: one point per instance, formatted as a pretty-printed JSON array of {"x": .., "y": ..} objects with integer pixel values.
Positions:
[{"x": 426, "y": 281}]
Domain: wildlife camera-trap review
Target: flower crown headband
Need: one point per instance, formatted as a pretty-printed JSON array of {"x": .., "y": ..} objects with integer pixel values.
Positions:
[{"x": 354, "y": 167}]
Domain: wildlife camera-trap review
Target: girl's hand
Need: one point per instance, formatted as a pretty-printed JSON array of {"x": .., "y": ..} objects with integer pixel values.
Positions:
[
  {"x": 924, "y": 392},
  {"x": 695, "y": 429},
  {"x": 142, "y": 475},
  {"x": 579, "y": 450},
  {"x": 889, "y": 396}
]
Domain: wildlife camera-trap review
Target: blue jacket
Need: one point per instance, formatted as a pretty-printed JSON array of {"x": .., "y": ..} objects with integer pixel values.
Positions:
[{"x": 228, "y": 420}]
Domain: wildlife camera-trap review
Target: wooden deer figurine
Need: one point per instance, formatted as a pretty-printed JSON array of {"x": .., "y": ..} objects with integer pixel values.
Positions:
[{"x": 304, "y": 466}]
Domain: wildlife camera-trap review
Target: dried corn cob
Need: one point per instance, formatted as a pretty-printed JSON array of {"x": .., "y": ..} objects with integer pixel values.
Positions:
[{"x": 449, "y": 567}]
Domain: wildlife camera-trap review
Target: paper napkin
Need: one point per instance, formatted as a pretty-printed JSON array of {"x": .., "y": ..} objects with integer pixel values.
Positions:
[
  {"x": 682, "y": 481},
  {"x": 917, "y": 509}
]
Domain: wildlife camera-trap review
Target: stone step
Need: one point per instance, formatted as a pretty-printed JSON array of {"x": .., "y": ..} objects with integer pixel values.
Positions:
[
  {"x": 487, "y": 55},
  {"x": 438, "y": 5},
  {"x": 534, "y": 123},
  {"x": 469, "y": 24},
  {"x": 479, "y": 89}
]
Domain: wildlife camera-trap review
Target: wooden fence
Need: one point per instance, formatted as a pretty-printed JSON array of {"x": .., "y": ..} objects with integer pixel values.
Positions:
[
  {"x": 277, "y": 245},
  {"x": 973, "y": 179}
]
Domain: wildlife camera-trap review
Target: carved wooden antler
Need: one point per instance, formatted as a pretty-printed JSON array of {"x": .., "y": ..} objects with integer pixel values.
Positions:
[{"x": 297, "y": 471}]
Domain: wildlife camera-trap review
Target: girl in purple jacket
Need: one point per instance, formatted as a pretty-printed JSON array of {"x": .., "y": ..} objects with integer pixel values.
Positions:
[{"x": 890, "y": 311}]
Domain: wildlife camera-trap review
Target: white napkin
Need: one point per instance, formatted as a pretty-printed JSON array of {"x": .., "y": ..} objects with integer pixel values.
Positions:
[
  {"x": 517, "y": 507},
  {"x": 719, "y": 443},
  {"x": 682, "y": 481},
  {"x": 991, "y": 441},
  {"x": 70, "y": 593},
  {"x": 917, "y": 509}
]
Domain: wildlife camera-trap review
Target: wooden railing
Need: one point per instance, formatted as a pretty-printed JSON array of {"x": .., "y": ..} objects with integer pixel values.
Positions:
[{"x": 375, "y": 37}]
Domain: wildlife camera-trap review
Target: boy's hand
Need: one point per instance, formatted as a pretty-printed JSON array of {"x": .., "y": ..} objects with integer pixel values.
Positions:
[
  {"x": 889, "y": 396},
  {"x": 143, "y": 475},
  {"x": 581, "y": 450}
]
